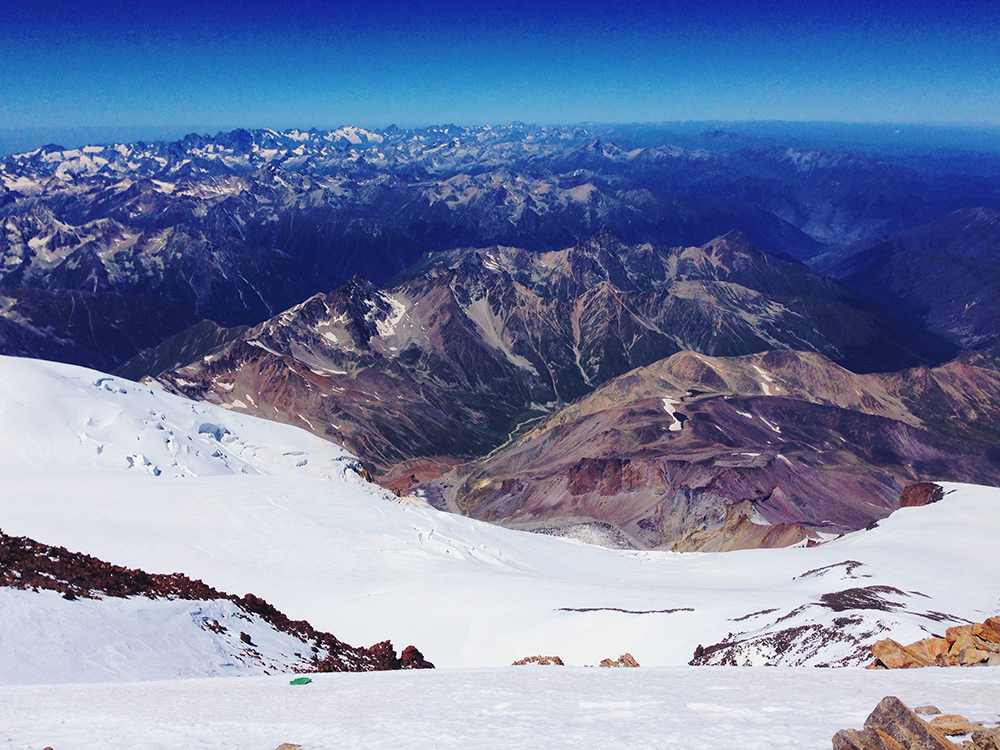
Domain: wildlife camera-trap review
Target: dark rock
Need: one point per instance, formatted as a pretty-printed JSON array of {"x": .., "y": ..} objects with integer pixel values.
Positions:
[
  {"x": 411, "y": 658},
  {"x": 922, "y": 493}
]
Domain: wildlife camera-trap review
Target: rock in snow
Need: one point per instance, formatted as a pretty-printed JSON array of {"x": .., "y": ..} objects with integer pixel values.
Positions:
[
  {"x": 962, "y": 646},
  {"x": 892, "y": 726}
]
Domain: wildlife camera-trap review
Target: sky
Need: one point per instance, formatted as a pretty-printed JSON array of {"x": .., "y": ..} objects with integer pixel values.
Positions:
[{"x": 178, "y": 66}]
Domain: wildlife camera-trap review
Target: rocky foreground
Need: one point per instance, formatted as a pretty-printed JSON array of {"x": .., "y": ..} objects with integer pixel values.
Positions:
[{"x": 893, "y": 726}]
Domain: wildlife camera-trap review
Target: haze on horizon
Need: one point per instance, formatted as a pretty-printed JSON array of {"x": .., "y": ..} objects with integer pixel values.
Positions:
[{"x": 170, "y": 67}]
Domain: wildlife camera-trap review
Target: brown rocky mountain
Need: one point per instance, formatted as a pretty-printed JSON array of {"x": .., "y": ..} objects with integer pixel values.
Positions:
[
  {"x": 697, "y": 452},
  {"x": 943, "y": 275},
  {"x": 470, "y": 344}
]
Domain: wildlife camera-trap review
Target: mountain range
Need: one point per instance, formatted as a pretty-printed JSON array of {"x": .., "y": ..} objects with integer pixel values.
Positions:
[
  {"x": 107, "y": 250},
  {"x": 583, "y": 331},
  {"x": 941, "y": 275},
  {"x": 455, "y": 357}
]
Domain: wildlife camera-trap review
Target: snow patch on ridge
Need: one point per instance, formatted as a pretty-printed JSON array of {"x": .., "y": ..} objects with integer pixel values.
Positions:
[
  {"x": 677, "y": 425},
  {"x": 492, "y": 328}
]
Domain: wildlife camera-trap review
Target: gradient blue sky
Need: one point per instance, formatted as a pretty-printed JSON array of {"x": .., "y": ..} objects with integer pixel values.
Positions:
[{"x": 209, "y": 64}]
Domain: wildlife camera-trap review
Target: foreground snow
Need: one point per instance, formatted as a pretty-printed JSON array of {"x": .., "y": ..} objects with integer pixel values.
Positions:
[
  {"x": 513, "y": 707},
  {"x": 322, "y": 545}
]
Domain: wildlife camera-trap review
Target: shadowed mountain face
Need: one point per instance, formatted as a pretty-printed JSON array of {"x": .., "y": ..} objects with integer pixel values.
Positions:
[
  {"x": 943, "y": 275},
  {"x": 109, "y": 249},
  {"x": 474, "y": 342},
  {"x": 667, "y": 454}
]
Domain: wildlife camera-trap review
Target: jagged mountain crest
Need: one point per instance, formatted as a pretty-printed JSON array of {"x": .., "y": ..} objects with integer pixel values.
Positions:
[
  {"x": 238, "y": 226},
  {"x": 499, "y": 333}
]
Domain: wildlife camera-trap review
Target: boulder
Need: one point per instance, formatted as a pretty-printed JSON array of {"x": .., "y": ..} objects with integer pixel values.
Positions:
[
  {"x": 866, "y": 739},
  {"x": 893, "y": 726},
  {"x": 952, "y": 634},
  {"x": 953, "y": 724},
  {"x": 986, "y": 739},
  {"x": 625, "y": 660},
  {"x": 967, "y": 648},
  {"x": 931, "y": 650},
  {"x": 971, "y": 636},
  {"x": 927, "y": 710},
  {"x": 411, "y": 658},
  {"x": 889, "y": 653},
  {"x": 971, "y": 656},
  {"x": 988, "y": 631}
]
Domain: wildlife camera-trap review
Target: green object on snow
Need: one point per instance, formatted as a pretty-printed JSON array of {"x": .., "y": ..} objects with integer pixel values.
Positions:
[{"x": 300, "y": 681}]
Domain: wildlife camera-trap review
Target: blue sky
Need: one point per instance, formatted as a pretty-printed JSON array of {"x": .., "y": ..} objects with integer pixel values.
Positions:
[{"x": 209, "y": 64}]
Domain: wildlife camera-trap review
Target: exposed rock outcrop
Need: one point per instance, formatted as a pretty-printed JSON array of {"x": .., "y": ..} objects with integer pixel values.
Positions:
[
  {"x": 555, "y": 660},
  {"x": 920, "y": 494},
  {"x": 411, "y": 658},
  {"x": 962, "y": 646},
  {"x": 893, "y": 726},
  {"x": 625, "y": 660}
]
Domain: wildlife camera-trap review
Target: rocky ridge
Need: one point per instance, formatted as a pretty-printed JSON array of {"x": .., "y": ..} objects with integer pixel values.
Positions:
[{"x": 473, "y": 343}]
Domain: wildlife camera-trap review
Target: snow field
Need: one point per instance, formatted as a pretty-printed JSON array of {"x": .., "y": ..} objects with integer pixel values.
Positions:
[
  {"x": 512, "y": 707},
  {"x": 470, "y": 594},
  {"x": 57, "y": 418}
]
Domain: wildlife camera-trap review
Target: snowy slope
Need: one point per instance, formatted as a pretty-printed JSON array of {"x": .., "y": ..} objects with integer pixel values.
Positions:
[
  {"x": 340, "y": 554},
  {"x": 47, "y": 639},
  {"x": 70, "y": 420}
]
